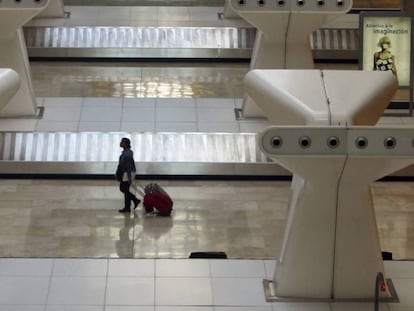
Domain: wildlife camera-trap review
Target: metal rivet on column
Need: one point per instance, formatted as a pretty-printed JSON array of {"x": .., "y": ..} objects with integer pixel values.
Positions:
[
  {"x": 361, "y": 142},
  {"x": 277, "y": 142},
  {"x": 333, "y": 142},
  {"x": 390, "y": 142},
  {"x": 305, "y": 142}
]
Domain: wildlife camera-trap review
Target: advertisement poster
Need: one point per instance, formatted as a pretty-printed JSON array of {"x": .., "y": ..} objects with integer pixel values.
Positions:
[{"x": 386, "y": 45}]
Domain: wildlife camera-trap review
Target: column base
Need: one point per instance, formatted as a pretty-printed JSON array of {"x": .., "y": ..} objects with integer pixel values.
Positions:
[
  {"x": 238, "y": 112},
  {"x": 269, "y": 289}
]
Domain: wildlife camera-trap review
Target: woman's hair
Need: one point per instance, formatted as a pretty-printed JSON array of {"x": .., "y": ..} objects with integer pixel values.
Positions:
[
  {"x": 383, "y": 40},
  {"x": 126, "y": 141}
]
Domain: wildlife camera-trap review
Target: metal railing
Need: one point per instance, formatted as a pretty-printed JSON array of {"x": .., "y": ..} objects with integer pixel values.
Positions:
[{"x": 380, "y": 285}]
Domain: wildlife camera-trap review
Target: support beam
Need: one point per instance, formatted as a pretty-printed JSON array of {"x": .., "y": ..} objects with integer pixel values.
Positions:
[
  {"x": 282, "y": 41},
  {"x": 13, "y": 53}
]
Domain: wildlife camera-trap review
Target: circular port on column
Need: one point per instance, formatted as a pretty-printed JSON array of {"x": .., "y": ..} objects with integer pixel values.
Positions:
[
  {"x": 361, "y": 142},
  {"x": 339, "y": 2},
  {"x": 305, "y": 142},
  {"x": 242, "y": 2},
  {"x": 300, "y": 2},
  {"x": 17, "y": 1},
  {"x": 277, "y": 142},
  {"x": 281, "y": 2},
  {"x": 390, "y": 142},
  {"x": 261, "y": 2},
  {"x": 320, "y": 2},
  {"x": 333, "y": 142}
]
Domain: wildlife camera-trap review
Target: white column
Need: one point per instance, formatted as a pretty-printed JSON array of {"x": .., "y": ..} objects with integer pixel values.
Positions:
[
  {"x": 55, "y": 9},
  {"x": 282, "y": 40},
  {"x": 13, "y": 54},
  {"x": 9, "y": 84},
  {"x": 306, "y": 264},
  {"x": 228, "y": 11},
  {"x": 330, "y": 246}
]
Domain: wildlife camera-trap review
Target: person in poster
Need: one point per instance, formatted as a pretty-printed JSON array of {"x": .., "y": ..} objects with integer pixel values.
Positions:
[
  {"x": 386, "y": 44},
  {"x": 384, "y": 60}
]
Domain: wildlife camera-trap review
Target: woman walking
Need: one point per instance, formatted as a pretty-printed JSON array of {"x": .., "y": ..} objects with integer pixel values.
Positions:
[{"x": 125, "y": 173}]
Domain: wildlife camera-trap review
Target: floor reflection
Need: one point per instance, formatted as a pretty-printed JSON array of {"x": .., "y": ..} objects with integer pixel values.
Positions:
[
  {"x": 135, "y": 80},
  {"x": 245, "y": 219},
  {"x": 125, "y": 245}
]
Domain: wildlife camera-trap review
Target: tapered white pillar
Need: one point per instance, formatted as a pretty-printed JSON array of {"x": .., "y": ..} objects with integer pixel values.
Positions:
[
  {"x": 331, "y": 248},
  {"x": 13, "y": 54},
  {"x": 9, "y": 84},
  {"x": 337, "y": 97},
  {"x": 282, "y": 40},
  {"x": 55, "y": 9},
  {"x": 228, "y": 11},
  {"x": 357, "y": 249}
]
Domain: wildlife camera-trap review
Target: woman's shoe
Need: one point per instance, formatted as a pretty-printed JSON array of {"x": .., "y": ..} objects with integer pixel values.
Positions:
[{"x": 136, "y": 202}]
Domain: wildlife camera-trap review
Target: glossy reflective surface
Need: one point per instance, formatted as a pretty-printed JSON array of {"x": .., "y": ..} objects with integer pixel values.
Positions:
[
  {"x": 138, "y": 79},
  {"x": 79, "y": 218},
  {"x": 73, "y": 218}
]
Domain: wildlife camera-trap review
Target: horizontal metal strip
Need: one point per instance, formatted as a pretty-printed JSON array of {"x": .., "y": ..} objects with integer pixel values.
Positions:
[
  {"x": 174, "y": 38},
  {"x": 148, "y": 147},
  {"x": 168, "y": 42},
  {"x": 140, "y": 37},
  {"x": 169, "y": 154},
  {"x": 335, "y": 39}
]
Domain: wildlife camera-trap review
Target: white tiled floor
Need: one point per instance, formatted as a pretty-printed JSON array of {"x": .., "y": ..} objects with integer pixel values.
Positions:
[
  {"x": 161, "y": 285},
  {"x": 136, "y": 115},
  {"x": 136, "y": 16},
  {"x": 77, "y": 114}
]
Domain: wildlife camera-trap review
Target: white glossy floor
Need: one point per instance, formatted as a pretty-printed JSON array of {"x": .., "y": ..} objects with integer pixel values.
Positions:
[
  {"x": 89, "y": 114},
  {"x": 163, "y": 284},
  {"x": 143, "y": 115},
  {"x": 136, "y": 16},
  {"x": 106, "y": 284}
]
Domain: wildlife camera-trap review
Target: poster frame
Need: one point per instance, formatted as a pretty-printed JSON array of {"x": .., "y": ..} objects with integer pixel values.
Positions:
[{"x": 390, "y": 14}]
